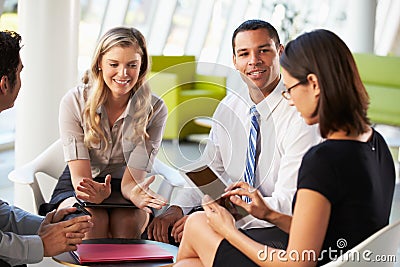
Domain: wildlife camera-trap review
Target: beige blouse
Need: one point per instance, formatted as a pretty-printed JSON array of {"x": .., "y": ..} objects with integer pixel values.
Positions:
[{"x": 121, "y": 151}]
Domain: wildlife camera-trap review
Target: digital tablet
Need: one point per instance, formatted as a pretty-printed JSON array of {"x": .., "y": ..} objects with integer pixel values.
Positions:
[
  {"x": 115, "y": 200},
  {"x": 207, "y": 182}
]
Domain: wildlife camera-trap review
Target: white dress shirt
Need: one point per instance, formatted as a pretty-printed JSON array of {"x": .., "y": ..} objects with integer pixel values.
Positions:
[{"x": 284, "y": 139}]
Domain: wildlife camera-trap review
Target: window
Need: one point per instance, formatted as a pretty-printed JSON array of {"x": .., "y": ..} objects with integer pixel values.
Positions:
[
  {"x": 92, "y": 13},
  {"x": 218, "y": 25},
  {"x": 8, "y": 15},
  {"x": 180, "y": 26},
  {"x": 139, "y": 15}
]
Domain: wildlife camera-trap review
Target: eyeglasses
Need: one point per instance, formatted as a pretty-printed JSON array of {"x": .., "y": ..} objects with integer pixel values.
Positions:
[{"x": 286, "y": 93}]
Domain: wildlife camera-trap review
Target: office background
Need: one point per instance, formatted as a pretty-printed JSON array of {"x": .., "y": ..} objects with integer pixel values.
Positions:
[{"x": 59, "y": 37}]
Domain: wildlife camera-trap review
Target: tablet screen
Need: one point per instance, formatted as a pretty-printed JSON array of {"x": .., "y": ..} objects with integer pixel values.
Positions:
[
  {"x": 237, "y": 211},
  {"x": 211, "y": 184},
  {"x": 207, "y": 181}
]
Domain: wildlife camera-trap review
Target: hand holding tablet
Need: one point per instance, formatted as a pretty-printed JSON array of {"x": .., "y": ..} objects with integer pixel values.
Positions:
[{"x": 207, "y": 182}]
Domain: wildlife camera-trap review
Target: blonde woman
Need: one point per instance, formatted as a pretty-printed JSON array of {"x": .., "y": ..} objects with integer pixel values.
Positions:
[{"x": 111, "y": 129}]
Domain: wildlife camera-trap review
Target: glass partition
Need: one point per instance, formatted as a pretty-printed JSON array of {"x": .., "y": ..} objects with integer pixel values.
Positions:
[
  {"x": 180, "y": 26},
  {"x": 139, "y": 14},
  {"x": 92, "y": 14}
]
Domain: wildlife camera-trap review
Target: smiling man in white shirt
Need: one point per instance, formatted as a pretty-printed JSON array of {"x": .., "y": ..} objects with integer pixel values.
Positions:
[{"x": 283, "y": 137}]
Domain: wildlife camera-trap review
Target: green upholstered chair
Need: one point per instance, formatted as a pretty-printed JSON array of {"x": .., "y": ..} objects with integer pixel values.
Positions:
[
  {"x": 381, "y": 77},
  {"x": 187, "y": 94}
]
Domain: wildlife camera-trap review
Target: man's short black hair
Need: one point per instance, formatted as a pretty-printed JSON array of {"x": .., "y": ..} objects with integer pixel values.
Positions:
[
  {"x": 255, "y": 24},
  {"x": 9, "y": 54}
]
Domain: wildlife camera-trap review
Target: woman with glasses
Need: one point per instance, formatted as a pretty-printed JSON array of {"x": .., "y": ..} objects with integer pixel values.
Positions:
[{"x": 345, "y": 184}]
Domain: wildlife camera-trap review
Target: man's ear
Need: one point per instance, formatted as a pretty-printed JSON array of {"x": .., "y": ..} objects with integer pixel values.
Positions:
[
  {"x": 3, "y": 84},
  {"x": 281, "y": 48}
]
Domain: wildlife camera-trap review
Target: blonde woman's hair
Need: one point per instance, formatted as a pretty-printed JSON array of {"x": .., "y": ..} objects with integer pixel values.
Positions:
[{"x": 98, "y": 91}]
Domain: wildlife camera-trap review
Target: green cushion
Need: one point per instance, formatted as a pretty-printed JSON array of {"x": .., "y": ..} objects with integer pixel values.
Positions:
[
  {"x": 382, "y": 70},
  {"x": 384, "y": 104},
  {"x": 187, "y": 94},
  {"x": 380, "y": 75},
  {"x": 160, "y": 63},
  {"x": 183, "y": 66}
]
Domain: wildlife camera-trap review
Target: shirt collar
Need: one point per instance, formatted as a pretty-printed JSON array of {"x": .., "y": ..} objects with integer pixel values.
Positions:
[
  {"x": 129, "y": 107},
  {"x": 268, "y": 105},
  {"x": 126, "y": 113}
]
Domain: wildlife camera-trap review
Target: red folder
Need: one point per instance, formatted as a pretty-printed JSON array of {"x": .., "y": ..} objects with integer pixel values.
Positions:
[{"x": 87, "y": 253}]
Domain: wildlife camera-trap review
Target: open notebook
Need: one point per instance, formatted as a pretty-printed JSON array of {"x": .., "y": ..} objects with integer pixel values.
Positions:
[{"x": 87, "y": 253}]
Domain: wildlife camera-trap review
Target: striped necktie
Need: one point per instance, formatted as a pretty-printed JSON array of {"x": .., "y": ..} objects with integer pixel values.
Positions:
[{"x": 249, "y": 175}]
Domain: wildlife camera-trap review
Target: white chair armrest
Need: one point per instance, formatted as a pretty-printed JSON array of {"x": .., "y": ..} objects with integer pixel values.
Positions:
[
  {"x": 171, "y": 178},
  {"x": 23, "y": 175},
  {"x": 170, "y": 174},
  {"x": 50, "y": 162}
]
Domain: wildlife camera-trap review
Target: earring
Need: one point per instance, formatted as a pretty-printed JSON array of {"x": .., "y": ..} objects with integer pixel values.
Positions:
[{"x": 99, "y": 69}]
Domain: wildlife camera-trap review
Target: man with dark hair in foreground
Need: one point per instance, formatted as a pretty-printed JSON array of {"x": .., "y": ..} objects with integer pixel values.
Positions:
[{"x": 25, "y": 237}]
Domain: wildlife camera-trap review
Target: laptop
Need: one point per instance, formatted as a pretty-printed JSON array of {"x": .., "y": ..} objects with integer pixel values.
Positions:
[{"x": 206, "y": 181}]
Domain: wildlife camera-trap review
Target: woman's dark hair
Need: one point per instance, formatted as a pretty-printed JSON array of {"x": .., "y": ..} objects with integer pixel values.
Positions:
[
  {"x": 343, "y": 100},
  {"x": 255, "y": 24},
  {"x": 9, "y": 55}
]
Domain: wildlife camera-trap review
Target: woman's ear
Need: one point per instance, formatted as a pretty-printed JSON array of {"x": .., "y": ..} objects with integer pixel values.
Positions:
[
  {"x": 313, "y": 81},
  {"x": 3, "y": 84}
]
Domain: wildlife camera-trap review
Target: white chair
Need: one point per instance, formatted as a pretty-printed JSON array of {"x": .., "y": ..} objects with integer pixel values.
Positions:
[
  {"x": 51, "y": 162},
  {"x": 380, "y": 249}
]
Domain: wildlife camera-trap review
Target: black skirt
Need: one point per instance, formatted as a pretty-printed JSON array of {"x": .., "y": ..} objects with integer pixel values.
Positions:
[{"x": 228, "y": 255}]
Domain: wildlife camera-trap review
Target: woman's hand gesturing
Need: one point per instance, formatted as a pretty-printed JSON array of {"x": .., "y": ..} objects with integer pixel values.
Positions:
[
  {"x": 93, "y": 191},
  {"x": 144, "y": 198}
]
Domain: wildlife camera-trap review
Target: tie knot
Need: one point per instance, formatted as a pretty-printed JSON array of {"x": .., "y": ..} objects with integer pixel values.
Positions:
[{"x": 254, "y": 112}]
